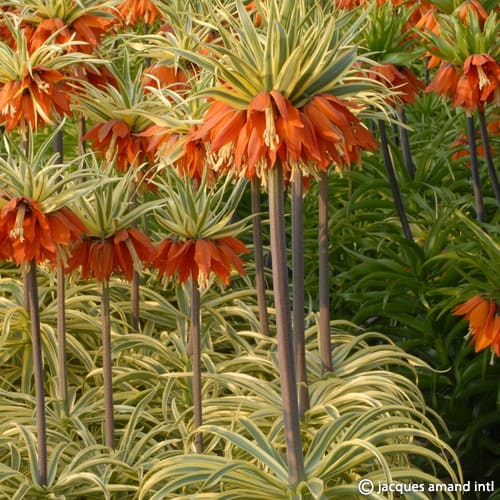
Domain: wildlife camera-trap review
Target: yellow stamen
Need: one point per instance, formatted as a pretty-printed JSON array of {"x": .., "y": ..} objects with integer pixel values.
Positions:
[
  {"x": 483, "y": 78},
  {"x": 112, "y": 150},
  {"x": 262, "y": 172},
  {"x": 135, "y": 258},
  {"x": 271, "y": 138},
  {"x": 203, "y": 281},
  {"x": 43, "y": 86},
  {"x": 18, "y": 231},
  {"x": 9, "y": 109}
]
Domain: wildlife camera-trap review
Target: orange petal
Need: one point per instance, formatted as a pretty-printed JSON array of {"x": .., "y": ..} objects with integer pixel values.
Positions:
[
  {"x": 468, "y": 306},
  {"x": 142, "y": 245},
  {"x": 260, "y": 102},
  {"x": 203, "y": 255},
  {"x": 229, "y": 131}
]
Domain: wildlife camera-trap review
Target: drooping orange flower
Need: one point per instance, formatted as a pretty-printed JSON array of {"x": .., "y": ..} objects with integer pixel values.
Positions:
[
  {"x": 84, "y": 74},
  {"x": 461, "y": 144},
  {"x": 484, "y": 322},
  {"x": 132, "y": 247},
  {"x": 160, "y": 75},
  {"x": 35, "y": 100},
  {"x": 324, "y": 131},
  {"x": 429, "y": 23},
  {"x": 157, "y": 137},
  {"x": 251, "y": 136},
  {"x": 191, "y": 161},
  {"x": 417, "y": 10},
  {"x": 332, "y": 133},
  {"x": 479, "y": 83},
  {"x": 26, "y": 233},
  {"x": 133, "y": 12},
  {"x": 6, "y": 35},
  {"x": 483, "y": 76},
  {"x": 474, "y": 8},
  {"x": 88, "y": 28},
  {"x": 126, "y": 250},
  {"x": 399, "y": 79},
  {"x": 466, "y": 93},
  {"x": 116, "y": 138},
  {"x": 214, "y": 127},
  {"x": 445, "y": 80},
  {"x": 5, "y": 247},
  {"x": 197, "y": 259},
  {"x": 46, "y": 29}
]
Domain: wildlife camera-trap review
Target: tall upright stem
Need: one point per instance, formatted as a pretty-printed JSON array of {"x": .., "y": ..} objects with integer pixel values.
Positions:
[
  {"x": 405, "y": 145},
  {"x": 325, "y": 347},
  {"x": 398, "y": 200},
  {"x": 298, "y": 291},
  {"x": 426, "y": 69},
  {"x": 485, "y": 139},
  {"x": 195, "y": 343},
  {"x": 474, "y": 169},
  {"x": 36, "y": 341},
  {"x": 107, "y": 372},
  {"x": 260, "y": 282},
  {"x": 62, "y": 375},
  {"x": 283, "y": 329},
  {"x": 134, "y": 300},
  {"x": 82, "y": 127},
  {"x": 25, "y": 146},
  {"x": 58, "y": 145},
  {"x": 136, "y": 277}
]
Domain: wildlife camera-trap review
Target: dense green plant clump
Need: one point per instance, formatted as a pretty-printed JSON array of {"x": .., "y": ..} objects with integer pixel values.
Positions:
[{"x": 238, "y": 243}]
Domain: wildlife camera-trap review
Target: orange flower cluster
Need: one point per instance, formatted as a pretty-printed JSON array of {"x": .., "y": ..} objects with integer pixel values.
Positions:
[
  {"x": 399, "y": 79},
  {"x": 482, "y": 75},
  {"x": 41, "y": 94},
  {"x": 133, "y": 12},
  {"x": 445, "y": 80},
  {"x": 472, "y": 8},
  {"x": 197, "y": 259},
  {"x": 126, "y": 250},
  {"x": 115, "y": 137},
  {"x": 471, "y": 88},
  {"x": 160, "y": 75},
  {"x": 34, "y": 100},
  {"x": 97, "y": 77},
  {"x": 429, "y": 23},
  {"x": 193, "y": 160},
  {"x": 322, "y": 132},
  {"x": 484, "y": 322},
  {"x": 26, "y": 233},
  {"x": 88, "y": 28},
  {"x": 158, "y": 137}
]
